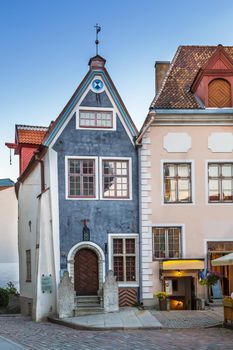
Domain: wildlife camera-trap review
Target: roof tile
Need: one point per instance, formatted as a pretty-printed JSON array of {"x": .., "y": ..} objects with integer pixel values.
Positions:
[{"x": 175, "y": 90}]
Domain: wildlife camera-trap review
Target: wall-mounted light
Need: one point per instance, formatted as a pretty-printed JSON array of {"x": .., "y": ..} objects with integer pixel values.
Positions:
[{"x": 178, "y": 272}]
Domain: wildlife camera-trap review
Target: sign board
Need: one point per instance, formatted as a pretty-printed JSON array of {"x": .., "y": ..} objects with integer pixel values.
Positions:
[
  {"x": 46, "y": 283},
  {"x": 168, "y": 287}
]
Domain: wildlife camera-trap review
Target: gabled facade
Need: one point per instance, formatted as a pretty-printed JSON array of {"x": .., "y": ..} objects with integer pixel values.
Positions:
[
  {"x": 78, "y": 200},
  {"x": 186, "y": 176}
]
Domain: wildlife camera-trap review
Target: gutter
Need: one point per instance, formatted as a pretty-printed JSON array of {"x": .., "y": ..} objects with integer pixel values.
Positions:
[{"x": 151, "y": 117}]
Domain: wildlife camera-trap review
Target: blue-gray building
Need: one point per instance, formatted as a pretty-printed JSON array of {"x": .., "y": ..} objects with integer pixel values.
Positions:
[{"x": 97, "y": 171}]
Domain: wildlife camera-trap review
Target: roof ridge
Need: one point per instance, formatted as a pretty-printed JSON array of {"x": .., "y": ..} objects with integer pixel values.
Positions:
[{"x": 30, "y": 127}]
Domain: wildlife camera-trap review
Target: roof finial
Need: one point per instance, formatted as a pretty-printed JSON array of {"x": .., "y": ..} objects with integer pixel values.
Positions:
[{"x": 97, "y": 29}]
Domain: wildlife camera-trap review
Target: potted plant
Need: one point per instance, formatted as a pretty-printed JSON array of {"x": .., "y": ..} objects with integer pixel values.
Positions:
[{"x": 162, "y": 298}]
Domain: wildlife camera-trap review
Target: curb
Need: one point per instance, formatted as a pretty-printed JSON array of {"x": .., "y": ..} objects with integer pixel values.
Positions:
[{"x": 94, "y": 328}]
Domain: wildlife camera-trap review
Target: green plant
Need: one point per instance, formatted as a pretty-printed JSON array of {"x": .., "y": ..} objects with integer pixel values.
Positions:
[
  {"x": 11, "y": 288},
  {"x": 211, "y": 278},
  {"x": 161, "y": 295},
  {"x": 4, "y": 297}
]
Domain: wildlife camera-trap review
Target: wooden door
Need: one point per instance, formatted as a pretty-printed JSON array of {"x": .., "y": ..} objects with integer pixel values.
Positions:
[{"x": 86, "y": 272}]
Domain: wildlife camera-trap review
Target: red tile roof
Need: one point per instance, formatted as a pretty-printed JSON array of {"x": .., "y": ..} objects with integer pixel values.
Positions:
[
  {"x": 33, "y": 135},
  {"x": 175, "y": 90}
]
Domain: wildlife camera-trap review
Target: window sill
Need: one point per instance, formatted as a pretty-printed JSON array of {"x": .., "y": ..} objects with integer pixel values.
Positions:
[
  {"x": 128, "y": 284},
  {"x": 28, "y": 281}
]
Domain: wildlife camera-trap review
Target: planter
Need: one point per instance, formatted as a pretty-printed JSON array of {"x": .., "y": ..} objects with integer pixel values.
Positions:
[
  {"x": 228, "y": 310},
  {"x": 163, "y": 305}
]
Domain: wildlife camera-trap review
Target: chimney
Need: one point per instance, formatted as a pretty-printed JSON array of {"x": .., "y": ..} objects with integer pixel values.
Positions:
[{"x": 161, "y": 68}]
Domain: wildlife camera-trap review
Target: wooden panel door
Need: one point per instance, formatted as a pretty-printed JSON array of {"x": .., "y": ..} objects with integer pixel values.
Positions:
[{"x": 86, "y": 274}]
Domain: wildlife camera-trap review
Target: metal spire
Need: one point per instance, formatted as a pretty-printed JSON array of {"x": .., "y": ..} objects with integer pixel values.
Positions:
[{"x": 97, "y": 29}]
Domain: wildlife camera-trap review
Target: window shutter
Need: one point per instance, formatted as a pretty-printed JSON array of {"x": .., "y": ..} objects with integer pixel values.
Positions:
[{"x": 219, "y": 93}]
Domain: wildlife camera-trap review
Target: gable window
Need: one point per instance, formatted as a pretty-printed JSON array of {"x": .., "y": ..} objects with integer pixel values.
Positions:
[
  {"x": 124, "y": 259},
  {"x": 219, "y": 93},
  {"x": 28, "y": 266},
  {"x": 220, "y": 182},
  {"x": 167, "y": 242},
  {"x": 177, "y": 183},
  {"x": 81, "y": 178},
  {"x": 96, "y": 119},
  {"x": 115, "y": 177}
]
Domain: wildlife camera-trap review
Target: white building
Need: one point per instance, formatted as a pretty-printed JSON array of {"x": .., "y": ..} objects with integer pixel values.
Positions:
[{"x": 8, "y": 234}]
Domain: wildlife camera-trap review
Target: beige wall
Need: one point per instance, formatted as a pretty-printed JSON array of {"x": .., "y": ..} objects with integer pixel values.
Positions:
[{"x": 200, "y": 221}]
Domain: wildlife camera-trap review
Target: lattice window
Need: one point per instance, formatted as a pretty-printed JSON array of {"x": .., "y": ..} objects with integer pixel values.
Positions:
[
  {"x": 124, "y": 259},
  {"x": 219, "y": 93},
  {"x": 94, "y": 119},
  {"x": 116, "y": 179},
  {"x": 220, "y": 180},
  {"x": 167, "y": 242},
  {"x": 81, "y": 173},
  {"x": 177, "y": 183}
]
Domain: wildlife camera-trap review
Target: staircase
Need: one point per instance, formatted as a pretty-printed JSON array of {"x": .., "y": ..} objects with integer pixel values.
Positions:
[{"x": 87, "y": 305}]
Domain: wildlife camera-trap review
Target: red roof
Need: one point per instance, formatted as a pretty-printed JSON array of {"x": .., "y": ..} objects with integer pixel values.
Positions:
[
  {"x": 175, "y": 91},
  {"x": 27, "y": 134}
]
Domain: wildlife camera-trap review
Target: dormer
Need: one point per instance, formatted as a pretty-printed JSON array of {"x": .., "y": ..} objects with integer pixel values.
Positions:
[{"x": 213, "y": 84}]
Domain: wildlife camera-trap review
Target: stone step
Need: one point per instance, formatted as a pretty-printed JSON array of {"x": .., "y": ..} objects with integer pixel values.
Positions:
[
  {"x": 93, "y": 299},
  {"x": 88, "y": 311},
  {"x": 87, "y": 305}
]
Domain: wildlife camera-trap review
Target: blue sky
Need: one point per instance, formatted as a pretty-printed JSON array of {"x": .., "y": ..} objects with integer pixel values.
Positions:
[{"x": 46, "y": 45}]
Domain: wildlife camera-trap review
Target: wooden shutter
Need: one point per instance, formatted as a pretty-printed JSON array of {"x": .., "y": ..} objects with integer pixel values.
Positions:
[{"x": 219, "y": 93}]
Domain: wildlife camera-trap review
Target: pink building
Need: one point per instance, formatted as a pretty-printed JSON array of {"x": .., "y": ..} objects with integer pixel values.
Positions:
[{"x": 187, "y": 176}]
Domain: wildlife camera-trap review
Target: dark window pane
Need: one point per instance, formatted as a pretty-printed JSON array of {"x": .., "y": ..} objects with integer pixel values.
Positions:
[
  {"x": 118, "y": 268},
  {"x": 130, "y": 268}
]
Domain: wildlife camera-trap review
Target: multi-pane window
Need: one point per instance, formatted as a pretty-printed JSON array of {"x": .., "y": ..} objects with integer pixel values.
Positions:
[
  {"x": 94, "y": 119},
  {"x": 220, "y": 182},
  {"x": 115, "y": 178},
  {"x": 167, "y": 242},
  {"x": 28, "y": 266},
  {"x": 81, "y": 177},
  {"x": 177, "y": 183},
  {"x": 124, "y": 259}
]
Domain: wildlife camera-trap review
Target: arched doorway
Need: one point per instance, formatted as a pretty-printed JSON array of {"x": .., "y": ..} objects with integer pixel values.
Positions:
[{"x": 86, "y": 272}]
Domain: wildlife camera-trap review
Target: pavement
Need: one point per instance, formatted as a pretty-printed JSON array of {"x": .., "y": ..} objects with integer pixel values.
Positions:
[
  {"x": 181, "y": 330},
  {"x": 132, "y": 318},
  {"x": 126, "y": 318}
]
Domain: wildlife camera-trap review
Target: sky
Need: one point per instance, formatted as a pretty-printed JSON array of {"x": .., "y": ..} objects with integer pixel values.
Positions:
[{"x": 46, "y": 45}]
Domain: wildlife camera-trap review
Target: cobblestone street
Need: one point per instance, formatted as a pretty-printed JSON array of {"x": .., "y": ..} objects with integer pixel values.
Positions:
[{"x": 45, "y": 335}]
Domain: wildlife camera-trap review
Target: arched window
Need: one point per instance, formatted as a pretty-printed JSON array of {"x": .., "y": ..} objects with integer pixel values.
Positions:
[{"x": 219, "y": 93}]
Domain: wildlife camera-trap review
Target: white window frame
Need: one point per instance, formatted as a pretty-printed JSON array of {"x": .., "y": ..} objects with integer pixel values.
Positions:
[
  {"x": 176, "y": 161},
  {"x": 96, "y": 109},
  {"x": 183, "y": 236},
  {"x": 223, "y": 161},
  {"x": 111, "y": 236},
  {"x": 96, "y": 178},
  {"x": 129, "y": 159}
]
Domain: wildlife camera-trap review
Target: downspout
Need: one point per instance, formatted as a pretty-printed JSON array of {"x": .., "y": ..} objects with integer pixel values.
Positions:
[{"x": 138, "y": 144}]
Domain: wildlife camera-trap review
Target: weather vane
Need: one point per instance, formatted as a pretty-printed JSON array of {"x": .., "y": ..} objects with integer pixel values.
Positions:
[{"x": 97, "y": 30}]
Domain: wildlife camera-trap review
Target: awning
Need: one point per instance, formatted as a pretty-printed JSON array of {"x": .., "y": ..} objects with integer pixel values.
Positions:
[
  {"x": 223, "y": 260},
  {"x": 182, "y": 264}
]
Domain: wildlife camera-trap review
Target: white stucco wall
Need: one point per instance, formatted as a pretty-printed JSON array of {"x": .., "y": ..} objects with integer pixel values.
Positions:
[{"x": 8, "y": 237}]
